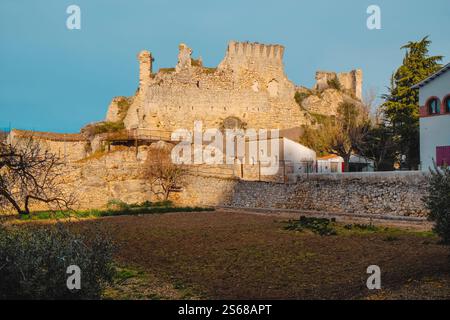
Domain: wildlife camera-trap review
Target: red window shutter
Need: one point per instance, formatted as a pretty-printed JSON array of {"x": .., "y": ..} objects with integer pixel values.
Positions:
[{"x": 443, "y": 156}]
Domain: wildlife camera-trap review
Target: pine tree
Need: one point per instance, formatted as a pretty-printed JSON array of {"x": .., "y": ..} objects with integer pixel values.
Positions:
[{"x": 401, "y": 106}]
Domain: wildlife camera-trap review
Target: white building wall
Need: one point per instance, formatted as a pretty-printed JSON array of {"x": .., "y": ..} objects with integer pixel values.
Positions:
[
  {"x": 324, "y": 165},
  {"x": 439, "y": 87},
  {"x": 434, "y": 130},
  {"x": 299, "y": 155}
]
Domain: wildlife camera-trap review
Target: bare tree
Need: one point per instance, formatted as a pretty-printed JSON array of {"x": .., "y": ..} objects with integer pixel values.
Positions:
[
  {"x": 30, "y": 175},
  {"x": 164, "y": 175}
]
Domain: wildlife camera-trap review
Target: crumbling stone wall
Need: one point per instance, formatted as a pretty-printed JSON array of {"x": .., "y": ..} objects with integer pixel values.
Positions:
[
  {"x": 249, "y": 84},
  {"x": 350, "y": 82},
  {"x": 68, "y": 147}
]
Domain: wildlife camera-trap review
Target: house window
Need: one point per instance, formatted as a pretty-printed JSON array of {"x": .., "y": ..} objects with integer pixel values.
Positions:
[
  {"x": 433, "y": 106},
  {"x": 447, "y": 104}
]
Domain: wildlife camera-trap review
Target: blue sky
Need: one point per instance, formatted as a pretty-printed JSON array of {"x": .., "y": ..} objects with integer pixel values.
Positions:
[{"x": 55, "y": 79}]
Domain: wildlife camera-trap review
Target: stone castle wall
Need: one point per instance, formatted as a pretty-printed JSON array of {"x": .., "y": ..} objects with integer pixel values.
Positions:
[
  {"x": 249, "y": 84},
  {"x": 118, "y": 175},
  {"x": 68, "y": 147}
]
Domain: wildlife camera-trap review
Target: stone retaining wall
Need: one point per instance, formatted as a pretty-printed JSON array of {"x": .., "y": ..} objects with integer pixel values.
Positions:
[
  {"x": 384, "y": 193},
  {"x": 118, "y": 175}
]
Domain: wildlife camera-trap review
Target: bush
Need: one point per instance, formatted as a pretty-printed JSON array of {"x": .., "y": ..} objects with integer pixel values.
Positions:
[
  {"x": 335, "y": 84},
  {"x": 319, "y": 226},
  {"x": 34, "y": 261},
  {"x": 438, "y": 202},
  {"x": 300, "y": 96},
  {"x": 116, "y": 204}
]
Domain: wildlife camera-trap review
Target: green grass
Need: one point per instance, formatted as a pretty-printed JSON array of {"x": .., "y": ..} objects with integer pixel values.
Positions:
[
  {"x": 94, "y": 213},
  {"x": 167, "y": 70},
  {"x": 328, "y": 227},
  {"x": 105, "y": 127}
]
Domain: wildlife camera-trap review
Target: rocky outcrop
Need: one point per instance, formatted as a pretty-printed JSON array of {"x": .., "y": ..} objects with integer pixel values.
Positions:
[{"x": 326, "y": 102}]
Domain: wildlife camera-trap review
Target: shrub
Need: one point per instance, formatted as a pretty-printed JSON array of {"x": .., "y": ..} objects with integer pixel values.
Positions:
[
  {"x": 196, "y": 62},
  {"x": 34, "y": 261},
  {"x": 438, "y": 201},
  {"x": 300, "y": 96},
  {"x": 361, "y": 227},
  {"x": 116, "y": 204},
  {"x": 319, "y": 226},
  {"x": 335, "y": 84},
  {"x": 124, "y": 105},
  {"x": 104, "y": 127}
]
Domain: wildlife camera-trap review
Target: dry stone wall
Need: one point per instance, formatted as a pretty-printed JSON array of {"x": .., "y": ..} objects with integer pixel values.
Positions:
[
  {"x": 118, "y": 175},
  {"x": 390, "y": 193}
]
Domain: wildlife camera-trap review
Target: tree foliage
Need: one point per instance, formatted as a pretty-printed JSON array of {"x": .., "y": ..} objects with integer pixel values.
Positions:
[
  {"x": 341, "y": 135},
  {"x": 438, "y": 201},
  {"x": 401, "y": 106}
]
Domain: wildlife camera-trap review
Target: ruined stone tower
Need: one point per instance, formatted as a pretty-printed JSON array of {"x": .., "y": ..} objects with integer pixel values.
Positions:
[
  {"x": 349, "y": 81},
  {"x": 145, "y": 68}
]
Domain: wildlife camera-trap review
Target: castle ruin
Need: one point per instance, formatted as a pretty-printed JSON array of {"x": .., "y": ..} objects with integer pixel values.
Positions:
[
  {"x": 248, "y": 89},
  {"x": 249, "y": 85}
]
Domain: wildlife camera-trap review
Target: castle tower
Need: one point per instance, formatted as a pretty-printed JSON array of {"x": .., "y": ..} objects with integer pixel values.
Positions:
[
  {"x": 264, "y": 58},
  {"x": 184, "y": 58},
  {"x": 145, "y": 68},
  {"x": 358, "y": 82}
]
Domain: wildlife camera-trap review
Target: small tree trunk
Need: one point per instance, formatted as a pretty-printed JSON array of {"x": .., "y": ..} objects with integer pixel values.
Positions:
[
  {"x": 166, "y": 194},
  {"x": 347, "y": 163}
]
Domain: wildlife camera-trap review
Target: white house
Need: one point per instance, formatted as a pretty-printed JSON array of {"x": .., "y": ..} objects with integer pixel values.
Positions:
[
  {"x": 330, "y": 164},
  {"x": 434, "y": 102},
  {"x": 294, "y": 155},
  {"x": 335, "y": 164}
]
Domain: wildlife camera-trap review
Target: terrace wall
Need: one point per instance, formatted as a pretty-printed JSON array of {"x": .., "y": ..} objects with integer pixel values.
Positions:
[{"x": 383, "y": 193}]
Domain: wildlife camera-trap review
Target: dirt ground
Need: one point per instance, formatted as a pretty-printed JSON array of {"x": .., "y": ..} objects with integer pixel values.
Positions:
[{"x": 224, "y": 255}]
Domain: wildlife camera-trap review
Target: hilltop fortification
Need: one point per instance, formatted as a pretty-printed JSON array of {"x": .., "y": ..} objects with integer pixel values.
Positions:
[
  {"x": 248, "y": 89},
  {"x": 248, "y": 86}
]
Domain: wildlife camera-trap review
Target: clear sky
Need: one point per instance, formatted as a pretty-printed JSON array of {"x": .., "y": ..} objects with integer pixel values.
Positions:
[{"x": 55, "y": 79}]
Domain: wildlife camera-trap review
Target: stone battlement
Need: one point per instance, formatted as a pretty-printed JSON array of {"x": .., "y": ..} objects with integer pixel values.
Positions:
[
  {"x": 256, "y": 50},
  {"x": 265, "y": 59}
]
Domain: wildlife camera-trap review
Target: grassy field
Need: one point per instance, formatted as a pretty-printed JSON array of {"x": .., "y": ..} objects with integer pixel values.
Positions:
[{"x": 223, "y": 255}]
